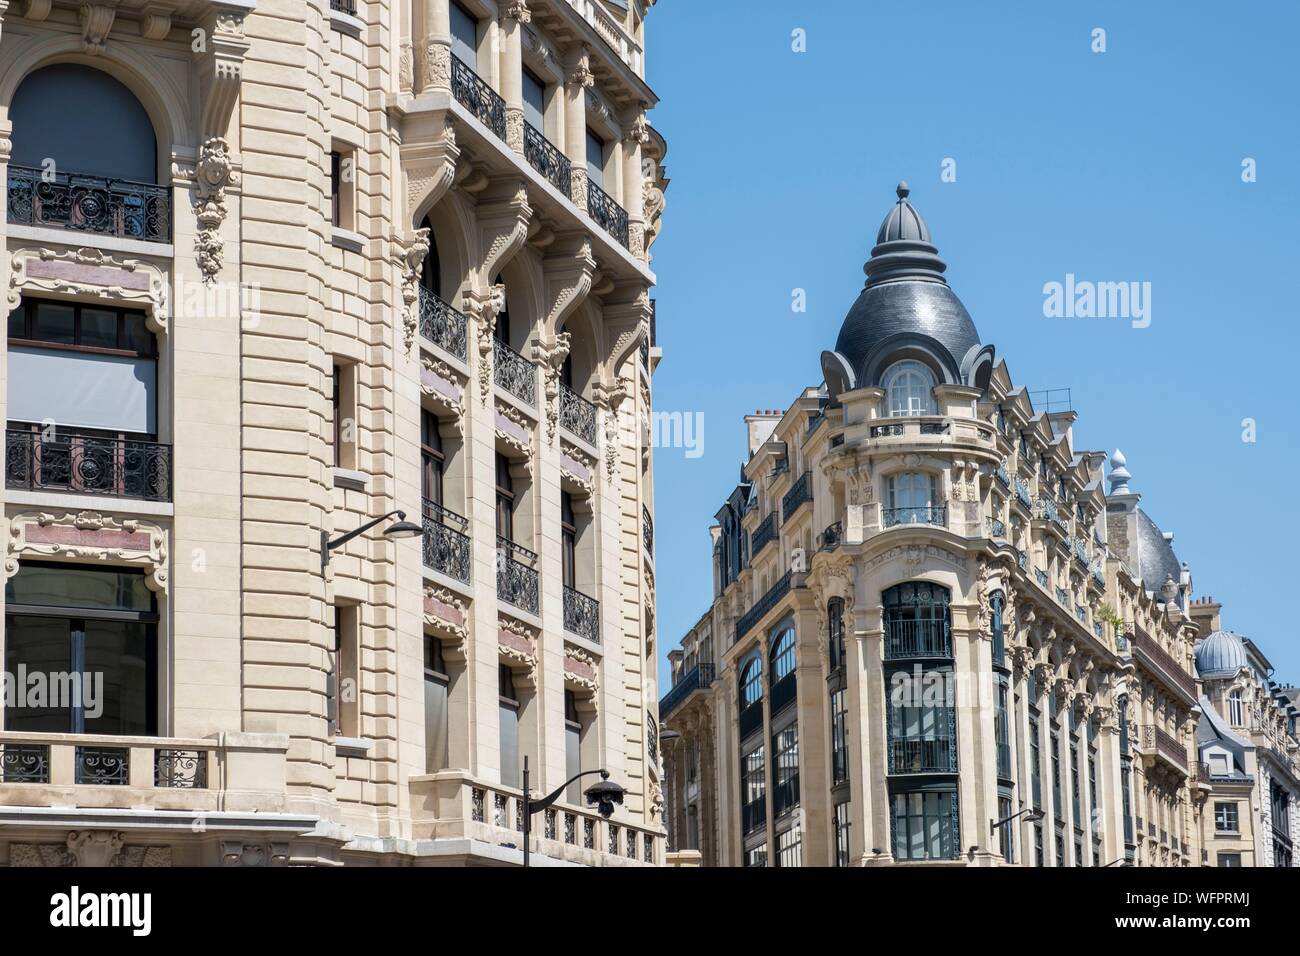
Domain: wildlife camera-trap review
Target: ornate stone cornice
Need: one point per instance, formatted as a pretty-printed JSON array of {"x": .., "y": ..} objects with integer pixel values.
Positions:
[
  {"x": 90, "y": 273},
  {"x": 447, "y": 615},
  {"x": 441, "y": 384},
  {"x": 88, "y": 536}
]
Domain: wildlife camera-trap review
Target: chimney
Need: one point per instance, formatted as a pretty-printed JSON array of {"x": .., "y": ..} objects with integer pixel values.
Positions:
[{"x": 1205, "y": 614}]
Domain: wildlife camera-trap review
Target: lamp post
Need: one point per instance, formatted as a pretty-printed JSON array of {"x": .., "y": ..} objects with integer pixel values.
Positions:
[
  {"x": 602, "y": 795},
  {"x": 401, "y": 528},
  {"x": 1034, "y": 814}
]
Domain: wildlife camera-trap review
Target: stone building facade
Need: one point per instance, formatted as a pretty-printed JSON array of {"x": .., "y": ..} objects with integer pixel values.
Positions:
[
  {"x": 1248, "y": 740},
  {"x": 278, "y": 269},
  {"x": 936, "y": 636}
]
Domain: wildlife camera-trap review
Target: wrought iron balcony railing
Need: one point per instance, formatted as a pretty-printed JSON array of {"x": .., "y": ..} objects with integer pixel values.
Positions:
[
  {"x": 443, "y": 324},
  {"x": 517, "y": 579},
  {"x": 697, "y": 678},
  {"x": 514, "y": 373},
  {"x": 446, "y": 542},
  {"x": 1022, "y": 559},
  {"x": 1041, "y": 577},
  {"x": 1162, "y": 661},
  {"x": 24, "y": 763},
  {"x": 95, "y": 204},
  {"x": 608, "y": 214},
  {"x": 581, "y": 614},
  {"x": 87, "y": 464},
  {"x": 577, "y": 415},
  {"x": 547, "y": 160},
  {"x": 180, "y": 769},
  {"x": 764, "y": 604},
  {"x": 1004, "y": 478},
  {"x": 909, "y": 638},
  {"x": 936, "y": 515},
  {"x": 892, "y": 430},
  {"x": 799, "y": 493},
  {"x": 937, "y": 755},
  {"x": 476, "y": 96},
  {"x": 763, "y": 535},
  {"x": 832, "y": 537},
  {"x": 647, "y": 530},
  {"x": 1022, "y": 492},
  {"x": 344, "y": 6},
  {"x": 103, "y": 766},
  {"x": 996, "y": 528},
  {"x": 1162, "y": 742}
]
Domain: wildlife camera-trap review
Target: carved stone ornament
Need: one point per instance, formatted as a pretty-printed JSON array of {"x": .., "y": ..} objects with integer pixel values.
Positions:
[
  {"x": 517, "y": 644},
  {"x": 447, "y": 615},
  {"x": 516, "y": 10},
  {"x": 582, "y": 673},
  {"x": 410, "y": 255},
  {"x": 511, "y": 436},
  {"x": 577, "y": 466},
  {"x": 552, "y": 358},
  {"x": 94, "y": 847},
  {"x": 96, "y": 20},
  {"x": 438, "y": 393},
  {"x": 90, "y": 273},
  {"x": 89, "y": 536},
  {"x": 484, "y": 310},
  {"x": 236, "y": 853},
  {"x": 213, "y": 172},
  {"x": 581, "y": 74},
  {"x": 656, "y": 799},
  {"x": 985, "y": 608}
]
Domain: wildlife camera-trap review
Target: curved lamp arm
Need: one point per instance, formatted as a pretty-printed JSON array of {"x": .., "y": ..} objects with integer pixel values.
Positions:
[
  {"x": 536, "y": 805},
  {"x": 326, "y": 545}
]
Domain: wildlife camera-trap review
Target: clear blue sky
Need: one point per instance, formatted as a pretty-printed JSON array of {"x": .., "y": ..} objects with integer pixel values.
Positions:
[{"x": 1124, "y": 165}]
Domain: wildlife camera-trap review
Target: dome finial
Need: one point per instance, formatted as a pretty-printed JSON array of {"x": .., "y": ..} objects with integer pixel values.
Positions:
[
  {"x": 902, "y": 190},
  {"x": 1119, "y": 474}
]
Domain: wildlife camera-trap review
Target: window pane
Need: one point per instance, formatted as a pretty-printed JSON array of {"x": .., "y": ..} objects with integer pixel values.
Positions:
[
  {"x": 464, "y": 36},
  {"x": 435, "y": 724},
  {"x": 124, "y": 654},
  {"x": 595, "y": 158},
  {"x": 98, "y": 328},
  {"x": 136, "y": 335},
  {"x": 37, "y": 645},
  {"x": 18, "y": 323},
  {"x": 534, "y": 101},
  {"x": 72, "y": 586},
  {"x": 54, "y": 323}
]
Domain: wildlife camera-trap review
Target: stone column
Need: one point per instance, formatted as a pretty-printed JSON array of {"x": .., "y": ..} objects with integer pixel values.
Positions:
[
  {"x": 635, "y": 135},
  {"x": 513, "y": 15},
  {"x": 433, "y": 70},
  {"x": 576, "y": 84}
]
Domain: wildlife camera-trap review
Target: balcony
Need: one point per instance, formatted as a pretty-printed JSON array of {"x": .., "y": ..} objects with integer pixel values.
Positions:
[
  {"x": 453, "y": 806},
  {"x": 91, "y": 204},
  {"x": 1163, "y": 744},
  {"x": 647, "y": 531},
  {"x": 517, "y": 579},
  {"x": 1004, "y": 479},
  {"x": 1022, "y": 493},
  {"x": 996, "y": 528},
  {"x": 832, "y": 537},
  {"x": 699, "y": 677},
  {"x": 442, "y": 324},
  {"x": 928, "y": 514},
  {"x": 763, "y": 535},
  {"x": 547, "y": 160},
  {"x": 577, "y": 415},
  {"x": 1046, "y": 509},
  {"x": 475, "y": 95},
  {"x": 1156, "y": 658},
  {"x": 87, "y": 464},
  {"x": 514, "y": 373},
  {"x": 608, "y": 214},
  {"x": 446, "y": 542},
  {"x": 764, "y": 604},
  {"x": 581, "y": 615},
  {"x": 800, "y": 493},
  {"x": 908, "y": 639},
  {"x": 344, "y": 6},
  {"x": 133, "y": 772},
  {"x": 938, "y": 755}
]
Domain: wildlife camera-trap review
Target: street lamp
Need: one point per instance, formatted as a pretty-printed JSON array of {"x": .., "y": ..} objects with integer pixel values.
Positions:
[
  {"x": 1034, "y": 814},
  {"x": 401, "y": 528},
  {"x": 603, "y": 796}
]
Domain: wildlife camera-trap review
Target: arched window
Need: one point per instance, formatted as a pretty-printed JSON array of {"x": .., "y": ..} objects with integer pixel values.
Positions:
[
  {"x": 782, "y": 656},
  {"x": 751, "y": 683},
  {"x": 908, "y": 389},
  {"x": 99, "y": 127},
  {"x": 997, "y": 602},
  {"x": 1236, "y": 714}
]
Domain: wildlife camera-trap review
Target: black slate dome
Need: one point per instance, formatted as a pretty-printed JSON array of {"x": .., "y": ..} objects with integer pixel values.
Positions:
[{"x": 905, "y": 293}]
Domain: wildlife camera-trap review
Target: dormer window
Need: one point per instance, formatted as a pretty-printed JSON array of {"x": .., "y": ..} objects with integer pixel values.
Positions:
[{"x": 909, "y": 389}]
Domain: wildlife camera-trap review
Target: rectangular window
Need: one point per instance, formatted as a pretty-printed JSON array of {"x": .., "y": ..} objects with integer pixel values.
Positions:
[
  {"x": 534, "y": 101},
  {"x": 505, "y": 499},
  {"x": 753, "y": 776},
  {"x": 841, "y": 822},
  {"x": 1035, "y": 760},
  {"x": 568, "y": 541},
  {"x": 1006, "y": 832},
  {"x": 508, "y": 714},
  {"x": 925, "y": 825},
  {"x": 595, "y": 159},
  {"x": 785, "y": 762},
  {"x": 342, "y": 698},
  {"x": 789, "y": 847},
  {"x": 336, "y": 189},
  {"x": 344, "y": 413},
  {"x": 572, "y": 746},
  {"x": 464, "y": 36},
  {"x": 1229, "y": 859},
  {"x": 756, "y": 856},
  {"x": 1225, "y": 818},
  {"x": 1040, "y": 855},
  {"x": 839, "y": 737},
  {"x": 432, "y": 458},
  {"x": 91, "y": 635},
  {"x": 1002, "y": 730},
  {"x": 436, "y": 685}
]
